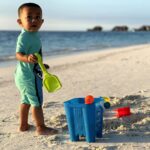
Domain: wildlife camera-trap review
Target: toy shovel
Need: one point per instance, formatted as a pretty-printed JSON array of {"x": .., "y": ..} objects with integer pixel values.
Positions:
[{"x": 50, "y": 82}]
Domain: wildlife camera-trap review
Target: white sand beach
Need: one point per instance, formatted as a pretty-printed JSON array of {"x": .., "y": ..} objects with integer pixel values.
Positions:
[{"x": 123, "y": 74}]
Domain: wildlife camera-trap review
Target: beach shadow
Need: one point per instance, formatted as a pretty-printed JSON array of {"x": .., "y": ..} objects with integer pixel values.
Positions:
[
  {"x": 52, "y": 104},
  {"x": 133, "y": 128},
  {"x": 132, "y": 101},
  {"x": 129, "y": 137}
]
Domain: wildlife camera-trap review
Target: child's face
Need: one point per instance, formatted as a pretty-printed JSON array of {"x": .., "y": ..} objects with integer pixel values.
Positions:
[{"x": 30, "y": 19}]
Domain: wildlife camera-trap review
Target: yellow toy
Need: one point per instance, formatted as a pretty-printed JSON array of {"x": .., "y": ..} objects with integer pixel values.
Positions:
[{"x": 50, "y": 82}]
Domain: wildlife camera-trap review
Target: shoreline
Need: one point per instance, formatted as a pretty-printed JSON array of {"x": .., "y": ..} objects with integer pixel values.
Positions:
[{"x": 12, "y": 61}]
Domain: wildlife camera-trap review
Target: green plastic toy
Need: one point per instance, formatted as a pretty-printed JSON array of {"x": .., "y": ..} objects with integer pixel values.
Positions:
[{"x": 50, "y": 82}]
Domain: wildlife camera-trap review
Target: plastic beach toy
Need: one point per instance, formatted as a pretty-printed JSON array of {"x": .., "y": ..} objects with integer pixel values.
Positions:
[
  {"x": 123, "y": 111},
  {"x": 107, "y": 99},
  {"x": 106, "y": 102},
  {"x": 89, "y": 99},
  {"x": 84, "y": 120},
  {"x": 50, "y": 82}
]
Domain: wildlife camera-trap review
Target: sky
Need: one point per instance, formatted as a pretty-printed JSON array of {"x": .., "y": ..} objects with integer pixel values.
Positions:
[{"x": 80, "y": 15}]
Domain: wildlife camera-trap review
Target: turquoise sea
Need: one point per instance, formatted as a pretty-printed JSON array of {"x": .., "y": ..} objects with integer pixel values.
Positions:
[{"x": 64, "y": 43}]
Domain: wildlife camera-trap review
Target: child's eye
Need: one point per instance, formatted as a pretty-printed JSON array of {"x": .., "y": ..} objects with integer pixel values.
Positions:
[
  {"x": 38, "y": 17},
  {"x": 29, "y": 18}
]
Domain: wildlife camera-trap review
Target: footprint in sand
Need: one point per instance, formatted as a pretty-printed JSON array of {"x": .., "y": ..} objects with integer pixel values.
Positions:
[{"x": 59, "y": 122}]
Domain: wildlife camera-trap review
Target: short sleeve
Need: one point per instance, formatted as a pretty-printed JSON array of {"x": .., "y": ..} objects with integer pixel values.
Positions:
[{"x": 22, "y": 44}]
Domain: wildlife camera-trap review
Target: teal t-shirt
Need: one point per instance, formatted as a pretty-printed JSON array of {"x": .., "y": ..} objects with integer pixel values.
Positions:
[{"x": 27, "y": 43}]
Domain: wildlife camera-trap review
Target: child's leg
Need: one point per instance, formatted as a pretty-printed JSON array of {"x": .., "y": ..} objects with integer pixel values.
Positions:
[
  {"x": 24, "y": 111},
  {"x": 41, "y": 129}
]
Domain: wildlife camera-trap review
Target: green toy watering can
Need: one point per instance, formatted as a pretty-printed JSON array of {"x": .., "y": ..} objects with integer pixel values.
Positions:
[{"x": 50, "y": 82}]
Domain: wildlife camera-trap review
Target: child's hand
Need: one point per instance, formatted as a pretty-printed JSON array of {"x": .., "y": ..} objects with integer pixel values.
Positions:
[
  {"x": 46, "y": 66},
  {"x": 32, "y": 58}
]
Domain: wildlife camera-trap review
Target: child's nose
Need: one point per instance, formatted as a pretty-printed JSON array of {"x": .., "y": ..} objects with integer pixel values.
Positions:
[{"x": 33, "y": 20}]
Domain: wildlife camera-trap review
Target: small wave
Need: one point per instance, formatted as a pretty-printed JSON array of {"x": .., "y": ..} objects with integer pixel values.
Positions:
[{"x": 7, "y": 58}]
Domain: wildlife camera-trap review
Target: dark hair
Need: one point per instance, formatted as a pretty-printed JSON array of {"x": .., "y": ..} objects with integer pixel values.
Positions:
[{"x": 28, "y": 5}]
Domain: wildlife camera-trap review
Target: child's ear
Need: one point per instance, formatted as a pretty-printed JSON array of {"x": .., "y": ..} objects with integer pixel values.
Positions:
[
  {"x": 42, "y": 20},
  {"x": 19, "y": 21}
]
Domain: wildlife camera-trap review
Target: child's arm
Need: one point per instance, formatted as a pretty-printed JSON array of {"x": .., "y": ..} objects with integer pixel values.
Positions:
[{"x": 26, "y": 58}]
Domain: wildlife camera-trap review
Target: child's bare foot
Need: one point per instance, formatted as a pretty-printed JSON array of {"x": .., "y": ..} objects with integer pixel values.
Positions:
[
  {"x": 24, "y": 127},
  {"x": 43, "y": 130}
]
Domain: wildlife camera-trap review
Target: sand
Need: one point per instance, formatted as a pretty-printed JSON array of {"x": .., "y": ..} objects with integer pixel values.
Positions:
[{"x": 123, "y": 74}]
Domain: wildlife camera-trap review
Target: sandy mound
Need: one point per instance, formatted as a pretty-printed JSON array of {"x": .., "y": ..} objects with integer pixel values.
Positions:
[{"x": 135, "y": 125}]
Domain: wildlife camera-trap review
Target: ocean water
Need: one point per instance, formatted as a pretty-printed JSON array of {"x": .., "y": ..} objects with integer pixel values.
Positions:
[{"x": 64, "y": 43}]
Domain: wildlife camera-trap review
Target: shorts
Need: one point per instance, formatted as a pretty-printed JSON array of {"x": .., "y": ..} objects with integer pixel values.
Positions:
[{"x": 31, "y": 92}]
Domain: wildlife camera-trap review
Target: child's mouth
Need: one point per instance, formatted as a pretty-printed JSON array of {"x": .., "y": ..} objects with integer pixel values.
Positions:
[{"x": 33, "y": 26}]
